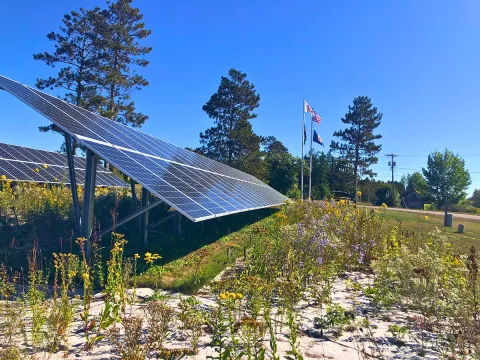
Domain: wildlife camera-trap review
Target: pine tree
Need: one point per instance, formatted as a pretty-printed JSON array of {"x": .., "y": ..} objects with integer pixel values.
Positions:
[
  {"x": 122, "y": 29},
  {"x": 357, "y": 142},
  {"x": 77, "y": 56},
  {"x": 232, "y": 140}
]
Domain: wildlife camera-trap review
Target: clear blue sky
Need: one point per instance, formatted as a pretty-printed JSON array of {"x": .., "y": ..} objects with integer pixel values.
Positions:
[{"x": 419, "y": 61}]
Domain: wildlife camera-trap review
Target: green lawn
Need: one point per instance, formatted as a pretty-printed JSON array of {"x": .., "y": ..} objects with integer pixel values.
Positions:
[
  {"x": 417, "y": 226},
  {"x": 192, "y": 266}
]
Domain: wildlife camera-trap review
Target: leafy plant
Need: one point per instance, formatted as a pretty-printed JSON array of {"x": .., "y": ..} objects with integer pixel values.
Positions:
[{"x": 398, "y": 333}]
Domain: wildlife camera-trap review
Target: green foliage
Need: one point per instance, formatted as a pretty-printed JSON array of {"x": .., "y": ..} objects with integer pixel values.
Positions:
[
  {"x": 384, "y": 195},
  {"x": 335, "y": 316},
  {"x": 398, "y": 332},
  {"x": 357, "y": 142},
  {"x": 475, "y": 198},
  {"x": 98, "y": 52},
  {"x": 62, "y": 310},
  {"x": 414, "y": 182},
  {"x": 231, "y": 140},
  {"x": 281, "y": 171},
  {"x": 321, "y": 174},
  {"x": 77, "y": 55},
  {"x": 122, "y": 30},
  {"x": 446, "y": 177}
]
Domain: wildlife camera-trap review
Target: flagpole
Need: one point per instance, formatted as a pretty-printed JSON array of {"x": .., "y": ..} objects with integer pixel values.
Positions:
[
  {"x": 311, "y": 147},
  {"x": 303, "y": 141}
]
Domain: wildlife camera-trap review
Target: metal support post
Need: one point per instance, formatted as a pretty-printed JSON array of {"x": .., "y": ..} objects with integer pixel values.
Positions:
[
  {"x": 130, "y": 217},
  {"x": 161, "y": 221},
  {"x": 89, "y": 197},
  {"x": 144, "y": 217},
  {"x": 73, "y": 182},
  {"x": 134, "y": 199},
  {"x": 178, "y": 224}
]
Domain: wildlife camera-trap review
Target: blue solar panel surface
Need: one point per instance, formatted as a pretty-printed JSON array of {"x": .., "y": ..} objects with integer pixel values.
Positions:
[
  {"x": 20, "y": 163},
  {"x": 198, "y": 187}
]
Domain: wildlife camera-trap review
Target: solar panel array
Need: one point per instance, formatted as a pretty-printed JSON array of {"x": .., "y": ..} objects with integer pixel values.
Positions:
[
  {"x": 196, "y": 186},
  {"x": 19, "y": 163}
]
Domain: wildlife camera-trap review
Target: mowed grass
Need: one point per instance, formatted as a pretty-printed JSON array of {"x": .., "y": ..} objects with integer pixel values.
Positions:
[
  {"x": 198, "y": 267},
  {"x": 418, "y": 226}
]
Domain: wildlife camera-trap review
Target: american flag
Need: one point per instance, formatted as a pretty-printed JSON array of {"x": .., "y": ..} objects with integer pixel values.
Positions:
[
  {"x": 316, "y": 118},
  {"x": 309, "y": 109}
]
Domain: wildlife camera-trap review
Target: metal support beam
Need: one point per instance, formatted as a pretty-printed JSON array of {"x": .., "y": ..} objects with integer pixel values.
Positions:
[
  {"x": 89, "y": 195},
  {"x": 73, "y": 182},
  {"x": 178, "y": 224},
  {"x": 130, "y": 217},
  {"x": 161, "y": 221},
  {"x": 144, "y": 217},
  {"x": 134, "y": 200}
]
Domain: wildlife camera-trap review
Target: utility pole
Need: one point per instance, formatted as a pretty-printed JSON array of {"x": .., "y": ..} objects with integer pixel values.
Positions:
[{"x": 392, "y": 165}]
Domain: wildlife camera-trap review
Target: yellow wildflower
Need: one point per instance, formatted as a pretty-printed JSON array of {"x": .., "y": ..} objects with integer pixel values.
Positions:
[
  {"x": 359, "y": 194},
  {"x": 223, "y": 296},
  {"x": 150, "y": 258},
  {"x": 425, "y": 217},
  {"x": 136, "y": 256},
  {"x": 3, "y": 177},
  {"x": 45, "y": 166},
  {"x": 384, "y": 205},
  {"x": 457, "y": 262}
]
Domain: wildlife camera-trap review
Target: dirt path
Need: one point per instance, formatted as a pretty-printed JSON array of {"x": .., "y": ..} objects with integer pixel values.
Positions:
[{"x": 428, "y": 212}]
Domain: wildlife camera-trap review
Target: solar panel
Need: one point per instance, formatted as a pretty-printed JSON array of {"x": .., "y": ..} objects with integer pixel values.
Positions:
[
  {"x": 20, "y": 163},
  {"x": 196, "y": 186}
]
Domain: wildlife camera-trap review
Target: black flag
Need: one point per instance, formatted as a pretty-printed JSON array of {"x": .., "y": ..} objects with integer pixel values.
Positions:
[{"x": 304, "y": 134}]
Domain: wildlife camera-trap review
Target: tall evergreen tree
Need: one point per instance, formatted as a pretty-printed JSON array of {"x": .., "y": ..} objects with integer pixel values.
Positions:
[
  {"x": 273, "y": 146},
  {"x": 357, "y": 142},
  {"x": 231, "y": 140},
  {"x": 122, "y": 29},
  {"x": 77, "y": 56}
]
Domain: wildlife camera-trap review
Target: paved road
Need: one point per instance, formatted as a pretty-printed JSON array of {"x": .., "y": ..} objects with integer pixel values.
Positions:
[{"x": 429, "y": 212}]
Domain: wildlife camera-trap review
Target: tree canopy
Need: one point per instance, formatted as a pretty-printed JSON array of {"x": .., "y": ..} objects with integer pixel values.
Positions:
[
  {"x": 231, "y": 140},
  {"x": 77, "y": 56},
  {"x": 475, "y": 199},
  {"x": 356, "y": 143},
  {"x": 414, "y": 182},
  {"x": 446, "y": 177},
  {"x": 121, "y": 28},
  {"x": 97, "y": 53}
]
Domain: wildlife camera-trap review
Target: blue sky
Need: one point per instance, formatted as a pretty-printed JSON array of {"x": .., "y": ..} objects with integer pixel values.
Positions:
[{"x": 417, "y": 60}]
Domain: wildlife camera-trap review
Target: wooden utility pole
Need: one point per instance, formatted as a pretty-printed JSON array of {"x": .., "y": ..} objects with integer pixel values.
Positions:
[{"x": 392, "y": 164}]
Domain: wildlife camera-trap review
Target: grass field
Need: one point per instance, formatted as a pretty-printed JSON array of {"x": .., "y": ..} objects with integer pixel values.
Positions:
[{"x": 418, "y": 226}]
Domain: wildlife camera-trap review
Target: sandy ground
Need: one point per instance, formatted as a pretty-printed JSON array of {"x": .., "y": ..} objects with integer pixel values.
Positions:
[{"x": 372, "y": 342}]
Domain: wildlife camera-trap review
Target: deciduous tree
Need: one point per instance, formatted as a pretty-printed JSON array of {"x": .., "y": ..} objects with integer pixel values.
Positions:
[
  {"x": 416, "y": 182},
  {"x": 446, "y": 177},
  {"x": 475, "y": 199}
]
